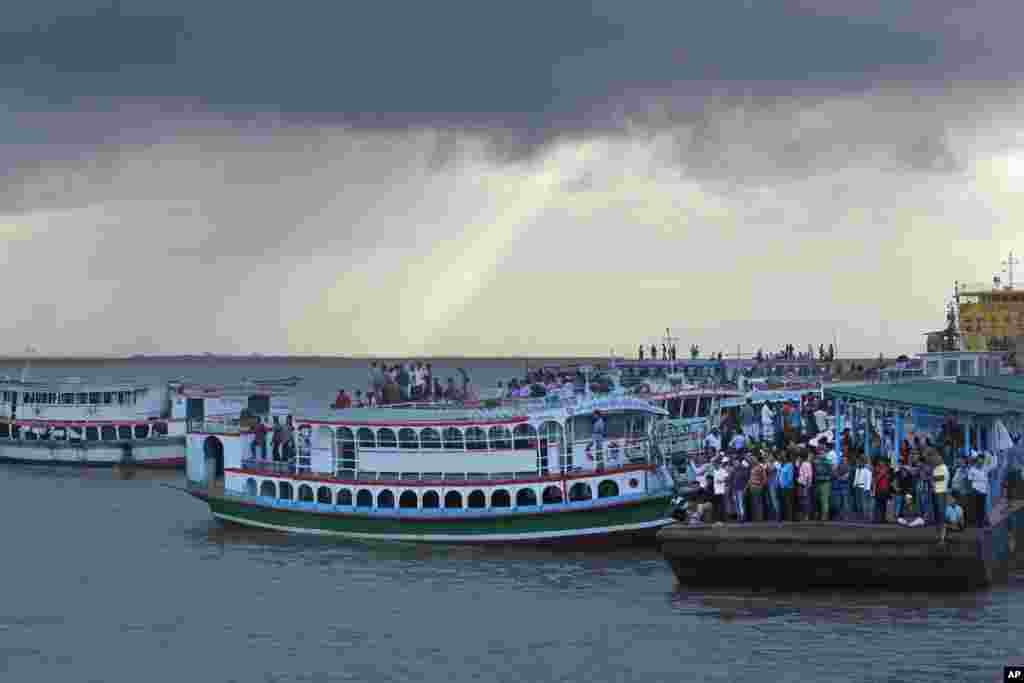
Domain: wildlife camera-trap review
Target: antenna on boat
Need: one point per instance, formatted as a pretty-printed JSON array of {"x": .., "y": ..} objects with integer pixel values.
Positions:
[{"x": 1008, "y": 265}]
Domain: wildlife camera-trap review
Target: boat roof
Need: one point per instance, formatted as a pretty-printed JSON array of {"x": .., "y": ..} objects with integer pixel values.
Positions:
[
  {"x": 76, "y": 384},
  {"x": 936, "y": 395},
  {"x": 248, "y": 387}
]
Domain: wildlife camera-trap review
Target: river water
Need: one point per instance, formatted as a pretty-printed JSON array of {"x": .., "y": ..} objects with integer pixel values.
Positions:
[{"x": 110, "y": 575}]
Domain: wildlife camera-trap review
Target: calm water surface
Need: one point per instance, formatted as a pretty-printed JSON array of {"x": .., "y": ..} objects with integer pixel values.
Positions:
[{"x": 111, "y": 576}]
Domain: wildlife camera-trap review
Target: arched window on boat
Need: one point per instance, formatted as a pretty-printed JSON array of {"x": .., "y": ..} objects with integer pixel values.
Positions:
[
  {"x": 453, "y": 439},
  {"x": 607, "y": 489},
  {"x": 366, "y": 438},
  {"x": 408, "y": 439},
  {"x": 430, "y": 439},
  {"x": 344, "y": 437},
  {"x": 268, "y": 489},
  {"x": 501, "y": 499},
  {"x": 345, "y": 442},
  {"x": 501, "y": 438},
  {"x": 306, "y": 493},
  {"x": 385, "y": 499},
  {"x": 476, "y": 499},
  {"x": 526, "y": 498},
  {"x": 364, "y": 499},
  {"x": 407, "y": 501},
  {"x": 675, "y": 405},
  {"x": 386, "y": 438},
  {"x": 345, "y": 497},
  {"x": 124, "y": 432},
  {"x": 141, "y": 431},
  {"x": 525, "y": 437},
  {"x": 476, "y": 439},
  {"x": 551, "y": 495},
  {"x": 284, "y": 491},
  {"x": 323, "y": 495},
  {"x": 108, "y": 433},
  {"x": 250, "y": 486},
  {"x": 92, "y": 433},
  {"x": 552, "y": 432},
  {"x": 159, "y": 429},
  {"x": 431, "y": 500},
  {"x": 453, "y": 499},
  {"x": 580, "y": 491}
]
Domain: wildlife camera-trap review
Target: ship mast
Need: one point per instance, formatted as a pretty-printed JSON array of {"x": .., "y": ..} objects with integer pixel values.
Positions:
[{"x": 669, "y": 340}]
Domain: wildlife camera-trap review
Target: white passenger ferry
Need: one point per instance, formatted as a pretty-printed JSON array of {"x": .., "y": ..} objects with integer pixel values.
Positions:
[
  {"x": 73, "y": 421},
  {"x": 530, "y": 471}
]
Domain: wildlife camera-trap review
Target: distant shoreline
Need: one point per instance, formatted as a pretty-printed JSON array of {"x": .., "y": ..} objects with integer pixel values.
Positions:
[{"x": 321, "y": 360}]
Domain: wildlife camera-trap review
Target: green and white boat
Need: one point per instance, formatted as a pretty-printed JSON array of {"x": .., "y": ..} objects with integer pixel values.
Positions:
[{"x": 528, "y": 473}]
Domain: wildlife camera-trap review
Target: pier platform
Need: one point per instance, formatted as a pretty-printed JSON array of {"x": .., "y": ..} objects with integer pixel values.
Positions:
[{"x": 840, "y": 554}]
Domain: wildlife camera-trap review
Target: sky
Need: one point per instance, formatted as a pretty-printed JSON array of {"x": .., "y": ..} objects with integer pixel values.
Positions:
[{"x": 480, "y": 178}]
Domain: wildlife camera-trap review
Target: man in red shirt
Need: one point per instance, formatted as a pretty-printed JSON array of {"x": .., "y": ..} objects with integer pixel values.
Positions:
[{"x": 259, "y": 440}]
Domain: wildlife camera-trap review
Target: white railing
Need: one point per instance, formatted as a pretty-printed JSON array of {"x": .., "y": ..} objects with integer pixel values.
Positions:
[{"x": 215, "y": 426}]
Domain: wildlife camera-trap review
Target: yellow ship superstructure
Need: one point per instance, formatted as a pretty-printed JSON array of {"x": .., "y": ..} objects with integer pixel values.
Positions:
[{"x": 991, "y": 317}]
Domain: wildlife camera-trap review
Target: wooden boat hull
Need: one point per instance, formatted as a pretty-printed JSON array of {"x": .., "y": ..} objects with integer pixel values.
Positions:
[{"x": 613, "y": 522}]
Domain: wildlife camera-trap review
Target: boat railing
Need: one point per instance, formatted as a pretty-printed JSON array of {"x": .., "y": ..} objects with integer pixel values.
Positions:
[
  {"x": 216, "y": 426},
  {"x": 554, "y": 471}
]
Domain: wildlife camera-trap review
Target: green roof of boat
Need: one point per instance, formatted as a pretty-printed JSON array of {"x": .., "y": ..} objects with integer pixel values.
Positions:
[
  {"x": 937, "y": 395},
  {"x": 1012, "y": 383}
]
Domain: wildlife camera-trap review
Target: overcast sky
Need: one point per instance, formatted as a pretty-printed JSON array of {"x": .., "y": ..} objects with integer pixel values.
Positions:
[{"x": 502, "y": 178}]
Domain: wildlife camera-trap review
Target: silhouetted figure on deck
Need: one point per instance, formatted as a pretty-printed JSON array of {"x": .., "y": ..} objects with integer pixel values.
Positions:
[
  {"x": 640, "y": 353},
  {"x": 654, "y": 352}
]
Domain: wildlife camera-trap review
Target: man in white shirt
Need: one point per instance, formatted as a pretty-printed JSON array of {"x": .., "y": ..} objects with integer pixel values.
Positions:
[
  {"x": 767, "y": 417},
  {"x": 977, "y": 473},
  {"x": 739, "y": 442}
]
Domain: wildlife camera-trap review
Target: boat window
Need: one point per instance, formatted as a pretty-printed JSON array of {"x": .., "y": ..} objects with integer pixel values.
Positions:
[
  {"x": 580, "y": 491},
  {"x": 67, "y": 399},
  {"x": 552, "y": 495},
  {"x": 501, "y": 499},
  {"x": 476, "y": 439},
  {"x": 28, "y": 398},
  {"x": 408, "y": 500},
  {"x": 141, "y": 431},
  {"x": 407, "y": 438},
  {"x": 386, "y": 438},
  {"x": 345, "y": 437},
  {"x": 525, "y": 437},
  {"x": 366, "y": 438},
  {"x": 250, "y": 486},
  {"x": 160, "y": 428},
  {"x": 526, "y": 498},
  {"x": 453, "y": 439},
  {"x": 476, "y": 500},
  {"x": 108, "y": 398},
  {"x": 705, "y": 406},
  {"x": 385, "y": 499},
  {"x": 690, "y": 407},
  {"x": 431, "y": 500},
  {"x": 607, "y": 489},
  {"x": 108, "y": 433},
  {"x": 501, "y": 438},
  {"x": 306, "y": 493},
  {"x": 453, "y": 499},
  {"x": 430, "y": 438},
  {"x": 284, "y": 491},
  {"x": 268, "y": 489},
  {"x": 124, "y": 432},
  {"x": 552, "y": 432},
  {"x": 345, "y": 497},
  {"x": 82, "y": 398},
  {"x": 94, "y": 398}
]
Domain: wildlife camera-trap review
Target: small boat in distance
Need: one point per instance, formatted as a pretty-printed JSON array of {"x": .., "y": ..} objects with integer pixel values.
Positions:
[{"x": 533, "y": 472}]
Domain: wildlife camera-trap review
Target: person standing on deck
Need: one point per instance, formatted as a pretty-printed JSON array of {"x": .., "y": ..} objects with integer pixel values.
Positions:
[
  {"x": 881, "y": 479},
  {"x": 721, "y": 482},
  {"x": 823, "y": 484},
  {"x": 259, "y": 440},
  {"x": 864, "y": 487},
  {"x": 640, "y": 353},
  {"x": 598, "y": 431},
  {"x": 276, "y": 439},
  {"x": 787, "y": 487},
  {"x": 805, "y": 476},
  {"x": 747, "y": 420},
  {"x": 376, "y": 381},
  {"x": 940, "y": 475},
  {"x": 977, "y": 472},
  {"x": 771, "y": 469},
  {"x": 288, "y": 439},
  {"x": 758, "y": 482},
  {"x": 767, "y": 422}
]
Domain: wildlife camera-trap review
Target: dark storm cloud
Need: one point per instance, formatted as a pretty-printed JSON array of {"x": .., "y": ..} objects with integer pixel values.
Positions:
[{"x": 514, "y": 65}]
